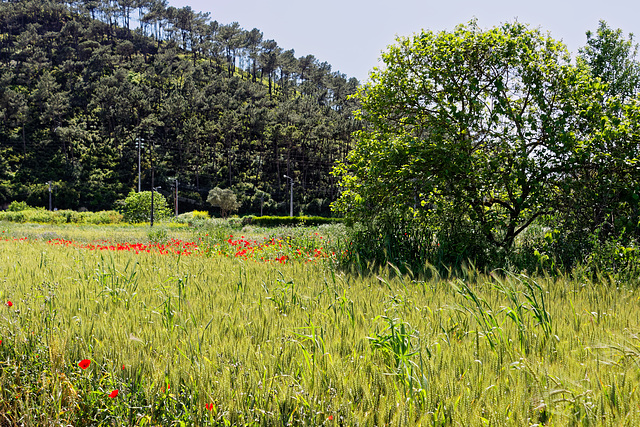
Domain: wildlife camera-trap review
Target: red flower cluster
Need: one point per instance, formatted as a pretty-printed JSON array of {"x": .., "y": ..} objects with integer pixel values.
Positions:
[
  {"x": 306, "y": 249},
  {"x": 173, "y": 246}
]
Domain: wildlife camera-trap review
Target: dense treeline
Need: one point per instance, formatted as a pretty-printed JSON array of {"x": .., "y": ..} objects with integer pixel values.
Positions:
[{"x": 85, "y": 92}]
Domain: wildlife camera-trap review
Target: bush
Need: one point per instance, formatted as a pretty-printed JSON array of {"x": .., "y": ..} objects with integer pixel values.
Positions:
[
  {"x": 137, "y": 207},
  {"x": 102, "y": 217},
  {"x": 276, "y": 221},
  {"x": 19, "y": 216},
  {"x": 61, "y": 217},
  {"x": 193, "y": 218},
  {"x": 16, "y": 206},
  {"x": 200, "y": 215}
]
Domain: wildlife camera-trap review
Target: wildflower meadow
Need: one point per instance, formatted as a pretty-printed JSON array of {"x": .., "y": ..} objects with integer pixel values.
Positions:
[{"x": 123, "y": 326}]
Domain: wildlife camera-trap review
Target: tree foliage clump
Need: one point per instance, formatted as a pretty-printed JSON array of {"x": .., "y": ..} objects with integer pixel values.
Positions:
[
  {"x": 473, "y": 135},
  {"x": 224, "y": 199},
  {"x": 137, "y": 207}
]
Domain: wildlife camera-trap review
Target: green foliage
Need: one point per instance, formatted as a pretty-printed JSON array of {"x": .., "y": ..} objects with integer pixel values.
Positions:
[
  {"x": 19, "y": 216},
  {"x": 200, "y": 215},
  {"x": 600, "y": 199},
  {"x": 61, "y": 216},
  {"x": 16, "y": 206},
  {"x": 612, "y": 58},
  {"x": 276, "y": 221},
  {"x": 157, "y": 235},
  {"x": 223, "y": 199},
  {"x": 137, "y": 207},
  {"x": 102, "y": 217},
  {"x": 474, "y": 135},
  {"x": 90, "y": 97}
]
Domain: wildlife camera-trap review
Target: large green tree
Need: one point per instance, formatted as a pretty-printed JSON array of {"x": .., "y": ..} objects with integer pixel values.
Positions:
[
  {"x": 604, "y": 204},
  {"x": 467, "y": 132}
]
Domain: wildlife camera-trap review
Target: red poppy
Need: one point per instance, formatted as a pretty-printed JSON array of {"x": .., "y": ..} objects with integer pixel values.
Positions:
[
  {"x": 84, "y": 363},
  {"x": 209, "y": 406},
  {"x": 9, "y": 304},
  {"x": 123, "y": 367},
  {"x": 330, "y": 417},
  {"x": 113, "y": 394}
]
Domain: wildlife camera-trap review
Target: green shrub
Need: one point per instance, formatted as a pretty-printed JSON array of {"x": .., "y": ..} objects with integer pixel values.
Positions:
[
  {"x": 12, "y": 216},
  {"x": 137, "y": 207},
  {"x": 193, "y": 218},
  {"x": 158, "y": 235},
  {"x": 16, "y": 206},
  {"x": 200, "y": 215},
  {"x": 276, "y": 221},
  {"x": 102, "y": 217},
  {"x": 44, "y": 217}
]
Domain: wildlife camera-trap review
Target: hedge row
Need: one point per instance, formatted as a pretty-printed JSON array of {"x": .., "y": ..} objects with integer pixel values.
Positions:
[
  {"x": 275, "y": 221},
  {"x": 113, "y": 217},
  {"x": 61, "y": 216}
]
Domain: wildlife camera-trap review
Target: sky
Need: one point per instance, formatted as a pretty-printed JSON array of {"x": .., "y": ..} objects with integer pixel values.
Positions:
[{"x": 351, "y": 34}]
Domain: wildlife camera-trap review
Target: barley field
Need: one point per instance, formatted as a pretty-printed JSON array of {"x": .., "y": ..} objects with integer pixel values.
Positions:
[{"x": 123, "y": 326}]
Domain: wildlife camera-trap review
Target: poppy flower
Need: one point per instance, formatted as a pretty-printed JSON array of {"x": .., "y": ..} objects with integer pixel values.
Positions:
[
  {"x": 84, "y": 363},
  {"x": 9, "y": 304},
  {"x": 330, "y": 417},
  {"x": 209, "y": 406},
  {"x": 113, "y": 394}
]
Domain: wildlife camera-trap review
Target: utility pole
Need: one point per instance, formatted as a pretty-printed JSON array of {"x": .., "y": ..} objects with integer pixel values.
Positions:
[
  {"x": 151, "y": 161},
  {"x": 176, "y": 197},
  {"x": 291, "y": 192},
  {"x": 50, "y": 206},
  {"x": 139, "y": 184},
  {"x": 153, "y": 192},
  {"x": 152, "y": 189}
]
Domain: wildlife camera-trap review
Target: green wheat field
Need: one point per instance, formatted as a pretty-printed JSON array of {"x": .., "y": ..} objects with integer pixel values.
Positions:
[{"x": 275, "y": 339}]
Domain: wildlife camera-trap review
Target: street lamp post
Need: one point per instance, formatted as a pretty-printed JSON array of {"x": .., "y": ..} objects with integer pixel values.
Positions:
[{"x": 291, "y": 193}]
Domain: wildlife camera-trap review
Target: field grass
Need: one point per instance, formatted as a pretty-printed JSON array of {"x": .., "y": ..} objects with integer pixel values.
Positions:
[{"x": 213, "y": 338}]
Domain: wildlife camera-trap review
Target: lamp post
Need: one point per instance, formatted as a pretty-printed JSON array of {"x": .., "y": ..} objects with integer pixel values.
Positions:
[{"x": 291, "y": 193}]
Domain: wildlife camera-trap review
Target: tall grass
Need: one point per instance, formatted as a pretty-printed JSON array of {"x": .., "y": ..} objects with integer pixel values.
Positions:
[{"x": 222, "y": 341}]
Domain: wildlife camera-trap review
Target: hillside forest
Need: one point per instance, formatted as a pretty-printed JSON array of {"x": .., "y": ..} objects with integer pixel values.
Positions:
[{"x": 98, "y": 97}]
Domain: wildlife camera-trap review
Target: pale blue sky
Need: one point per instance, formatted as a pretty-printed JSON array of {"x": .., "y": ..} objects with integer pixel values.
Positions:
[{"x": 351, "y": 34}]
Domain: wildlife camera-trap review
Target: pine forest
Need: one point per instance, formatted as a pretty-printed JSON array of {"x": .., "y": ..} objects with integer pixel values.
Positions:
[{"x": 98, "y": 98}]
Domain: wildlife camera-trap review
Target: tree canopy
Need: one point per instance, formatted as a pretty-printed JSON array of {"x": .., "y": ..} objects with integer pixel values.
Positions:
[
  {"x": 224, "y": 199},
  {"x": 475, "y": 134}
]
